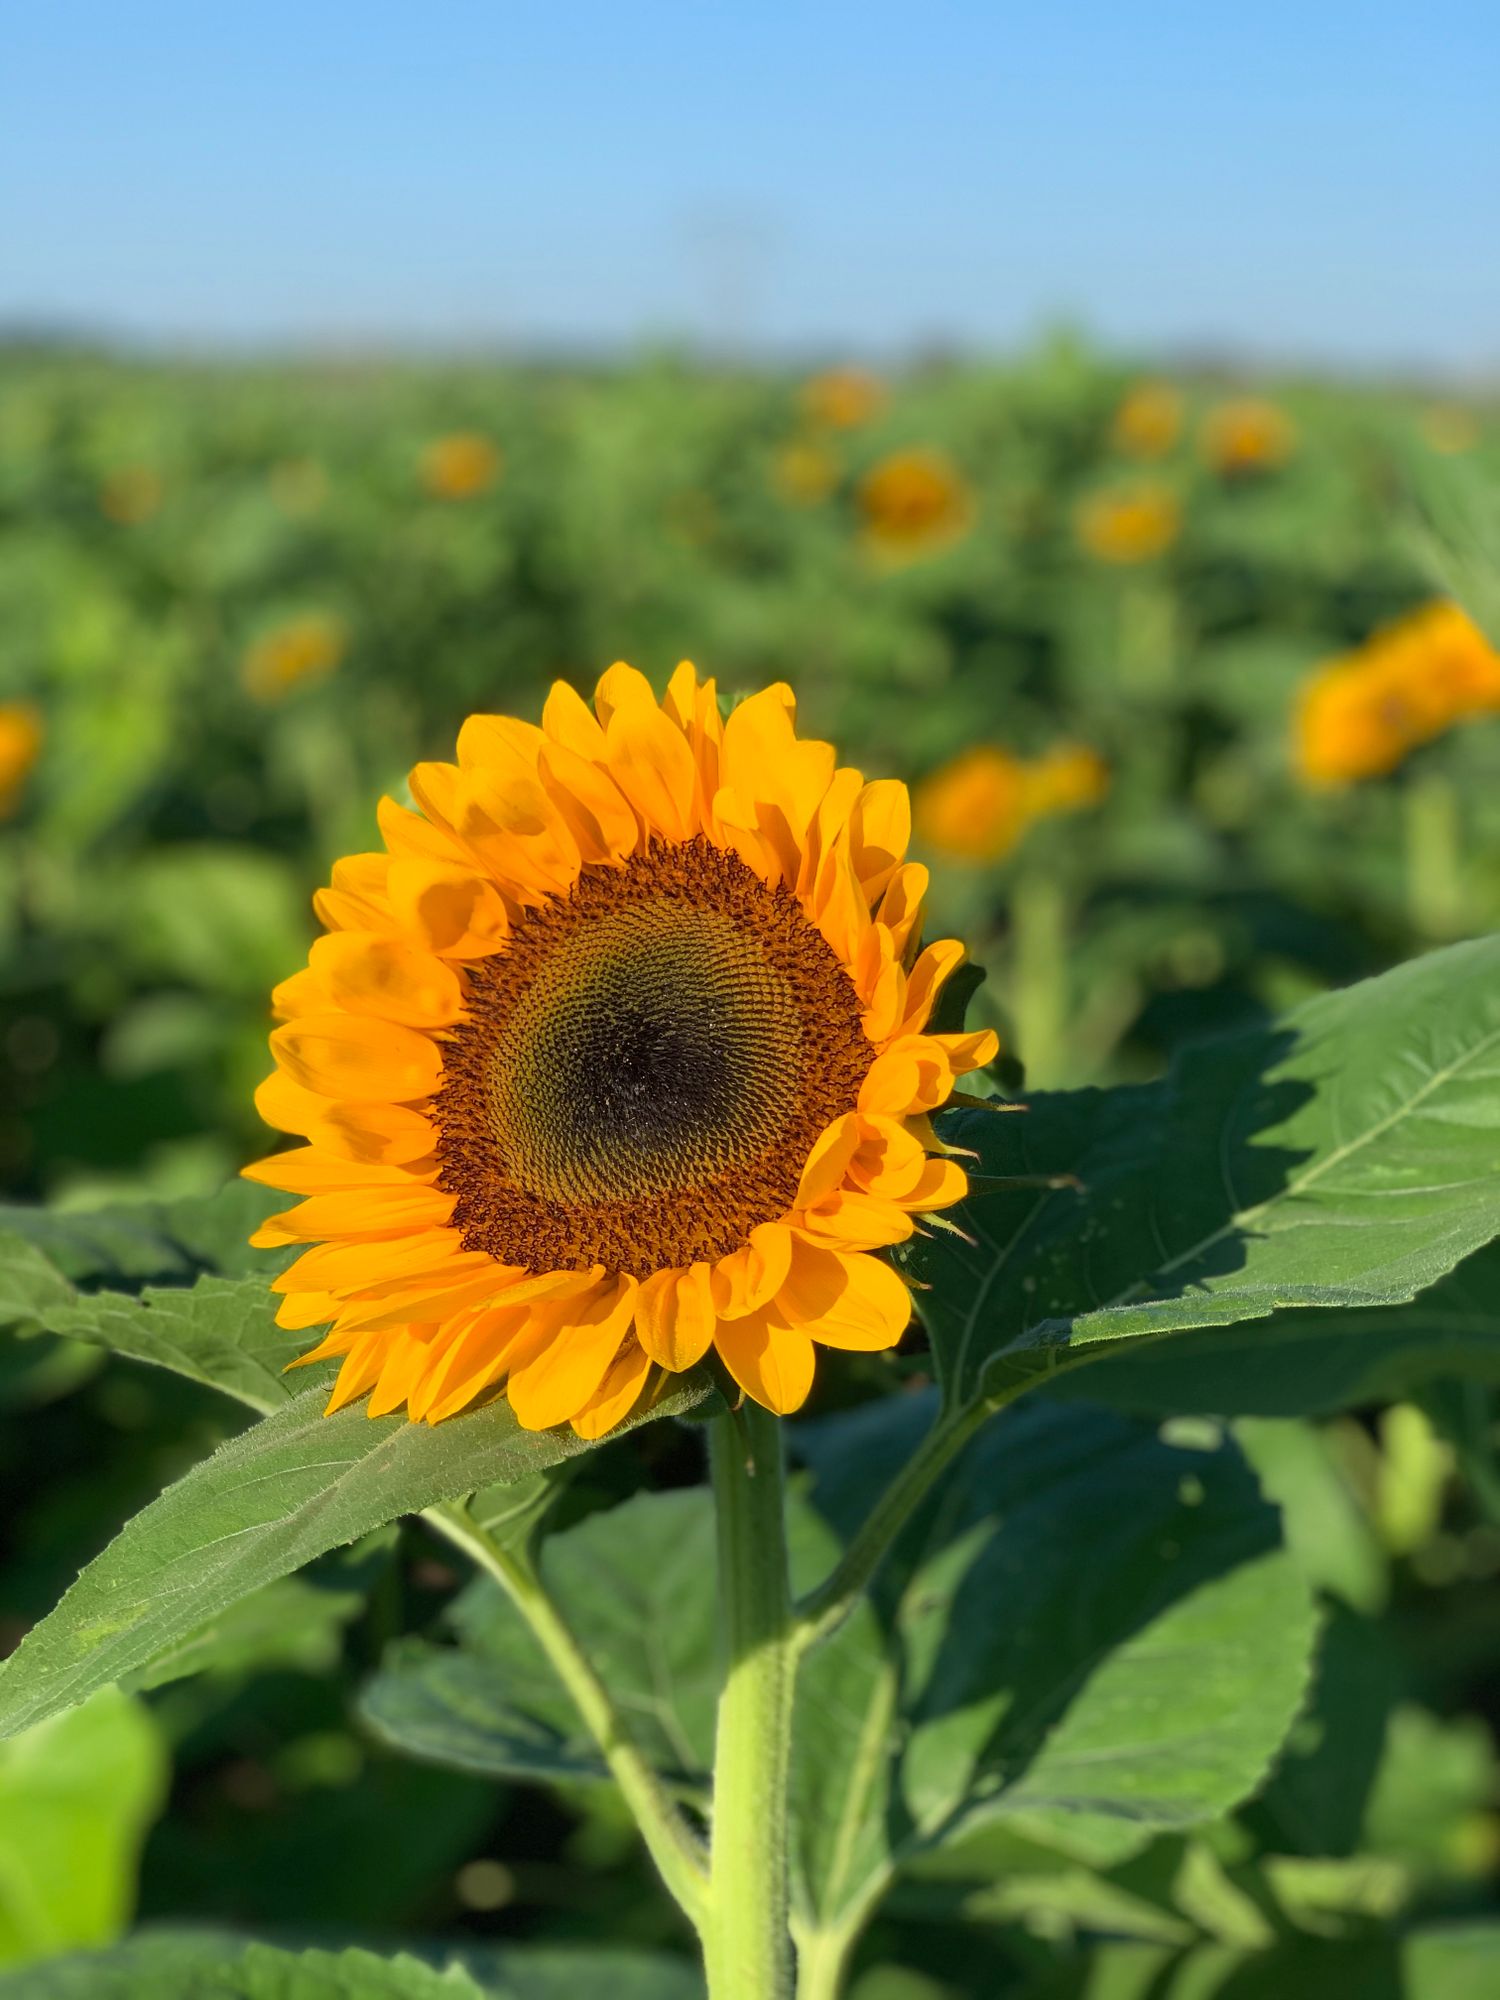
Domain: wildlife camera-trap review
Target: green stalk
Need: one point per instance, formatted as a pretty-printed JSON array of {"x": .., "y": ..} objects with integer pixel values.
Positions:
[
  {"x": 747, "y": 1941},
  {"x": 672, "y": 1844},
  {"x": 1435, "y": 889},
  {"x": 1039, "y": 973}
]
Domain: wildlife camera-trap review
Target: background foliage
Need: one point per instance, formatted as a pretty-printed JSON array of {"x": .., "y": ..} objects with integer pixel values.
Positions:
[{"x": 235, "y": 605}]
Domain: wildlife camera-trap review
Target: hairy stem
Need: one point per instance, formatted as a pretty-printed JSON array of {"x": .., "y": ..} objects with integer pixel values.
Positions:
[
  {"x": 747, "y": 1942},
  {"x": 673, "y": 1846}
]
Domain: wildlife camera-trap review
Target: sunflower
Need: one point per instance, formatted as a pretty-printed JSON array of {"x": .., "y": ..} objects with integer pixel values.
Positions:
[
  {"x": 461, "y": 466},
  {"x": 20, "y": 745},
  {"x": 1148, "y": 422},
  {"x": 1133, "y": 525},
  {"x": 980, "y": 805},
  {"x": 914, "y": 503},
  {"x": 302, "y": 649},
  {"x": 619, "y": 1052},
  {"x": 841, "y": 399},
  {"x": 1246, "y": 435}
]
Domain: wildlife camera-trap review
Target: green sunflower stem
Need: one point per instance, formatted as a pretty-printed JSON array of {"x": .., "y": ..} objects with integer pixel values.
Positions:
[
  {"x": 1435, "y": 885},
  {"x": 747, "y": 1939},
  {"x": 672, "y": 1844}
]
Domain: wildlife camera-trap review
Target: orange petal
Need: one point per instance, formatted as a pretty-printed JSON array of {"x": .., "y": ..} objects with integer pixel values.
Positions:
[
  {"x": 571, "y": 1367},
  {"x": 617, "y": 1396},
  {"x": 879, "y": 834},
  {"x": 829, "y": 1159},
  {"x": 382, "y": 976},
  {"x": 621, "y": 687},
  {"x": 849, "y": 1220},
  {"x": 303, "y": 993},
  {"x": 675, "y": 1318},
  {"x": 568, "y": 719},
  {"x": 369, "y": 1211},
  {"x": 901, "y": 906},
  {"x": 844, "y": 1300},
  {"x": 927, "y": 978},
  {"x": 354, "y": 1056},
  {"x": 772, "y": 1364},
  {"x": 384, "y": 1134},
  {"x": 451, "y": 909},
  {"x": 746, "y": 1279},
  {"x": 653, "y": 766}
]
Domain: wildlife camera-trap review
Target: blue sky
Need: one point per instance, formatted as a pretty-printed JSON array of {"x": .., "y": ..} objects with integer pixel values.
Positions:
[{"x": 1315, "y": 182}]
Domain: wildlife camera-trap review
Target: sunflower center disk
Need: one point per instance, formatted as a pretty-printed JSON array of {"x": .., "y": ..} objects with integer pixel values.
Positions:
[{"x": 645, "y": 1068}]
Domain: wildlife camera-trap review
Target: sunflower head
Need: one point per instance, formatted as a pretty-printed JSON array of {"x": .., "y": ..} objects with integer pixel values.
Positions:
[
  {"x": 914, "y": 503},
  {"x": 1246, "y": 435},
  {"x": 973, "y": 808},
  {"x": 460, "y": 466},
  {"x": 1148, "y": 422},
  {"x": 1361, "y": 715},
  {"x": 618, "y": 1051},
  {"x": 21, "y": 735},
  {"x": 841, "y": 399},
  {"x": 1132, "y": 525},
  {"x": 302, "y": 649}
]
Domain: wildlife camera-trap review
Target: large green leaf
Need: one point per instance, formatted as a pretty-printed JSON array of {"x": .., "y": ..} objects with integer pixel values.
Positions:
[
  {"x": 174, "y": 1284},
  {"x": 1344, "y": 1158},
  {"x": 1307, "y": 1363},
  {"x": 1444, "y": 1962},
  {"x": 77, "y": 1794},
  {"x": 1087, "y": 1632},
  {"x": 637, "y": 1585},
  {"x": 268, "y": 1501},
  {"x": 185, "y": 1966}
]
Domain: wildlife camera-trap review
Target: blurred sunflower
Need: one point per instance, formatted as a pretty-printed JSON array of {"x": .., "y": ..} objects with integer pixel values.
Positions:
[
  {"x": 619, "y": 1052},
  {"x": 302, "y": 649},
  {"x": 914, "y": 503},
  {"x": 1148, "y": 422},
  {"x": 1361, "y": 715},
  {"x": 1132, "y": 525},
  {"x": 1450, "y": 429},
  {"x": 804, "y": 473},
  {"x": 979, "y": 805},
  {"x": 461, "y": 466},
  {"x": 841, "y": 399},
  {"x": 130, "y": 494},
  {"x": 1246, "y": 435},
  {"x": 21, "y": 736}
]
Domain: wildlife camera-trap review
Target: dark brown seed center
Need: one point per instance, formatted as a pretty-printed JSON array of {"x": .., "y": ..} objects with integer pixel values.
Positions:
[{"x": 642, "y": 1072}]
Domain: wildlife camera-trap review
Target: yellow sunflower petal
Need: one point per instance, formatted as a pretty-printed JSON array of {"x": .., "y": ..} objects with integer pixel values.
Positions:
[
  {"x": 621, "y": 687},
  {"x": 879, "y": 834},
  {"x": 675, "y": 1317},
  {"x": 653, "y": 766},
  {"x": 303, "y": 993},
  {"x": 927, "y": 978},
  {"x": 828, "y": 1162},
  {"x": 354, "y": 1056},
  {"x": 382, "y": 976},
  {"x": 368, "y": 1211},
  {"x": 452, "y": 910},
  {"x": 300, "y": 1310},
  {"x": 361, "y": 1371},
  {"x": 377, "y": 1134},
  {"x": 772, "y": 1364},
  {"x": 849, "y": 1220},
  {"x": 844, "y": 1300},
  {"x": 617, "y": 1395},
  {"x": 568, "y": 719},
  {"x": 569, "y": 1370}
]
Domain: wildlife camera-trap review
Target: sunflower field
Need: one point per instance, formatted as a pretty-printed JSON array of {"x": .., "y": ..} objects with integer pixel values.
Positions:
[{"x": 819, "y": 1461}]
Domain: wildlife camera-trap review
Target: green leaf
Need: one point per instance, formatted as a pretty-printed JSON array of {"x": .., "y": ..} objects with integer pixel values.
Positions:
[
  {"x": 1444, "y": 1962},
  {"x": 77, "y": 1794},
  {"x": 188, "y": 1966},
  {"x": 1345, "y": 1158},
  {"x": 636, "y": 1584},
  {"x": 1086, "y": 1632},
  {"x": 269, "y": 1500},
  {"x": 1311, "y": 1363},
  {"x": 174, "y": 1284}
]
